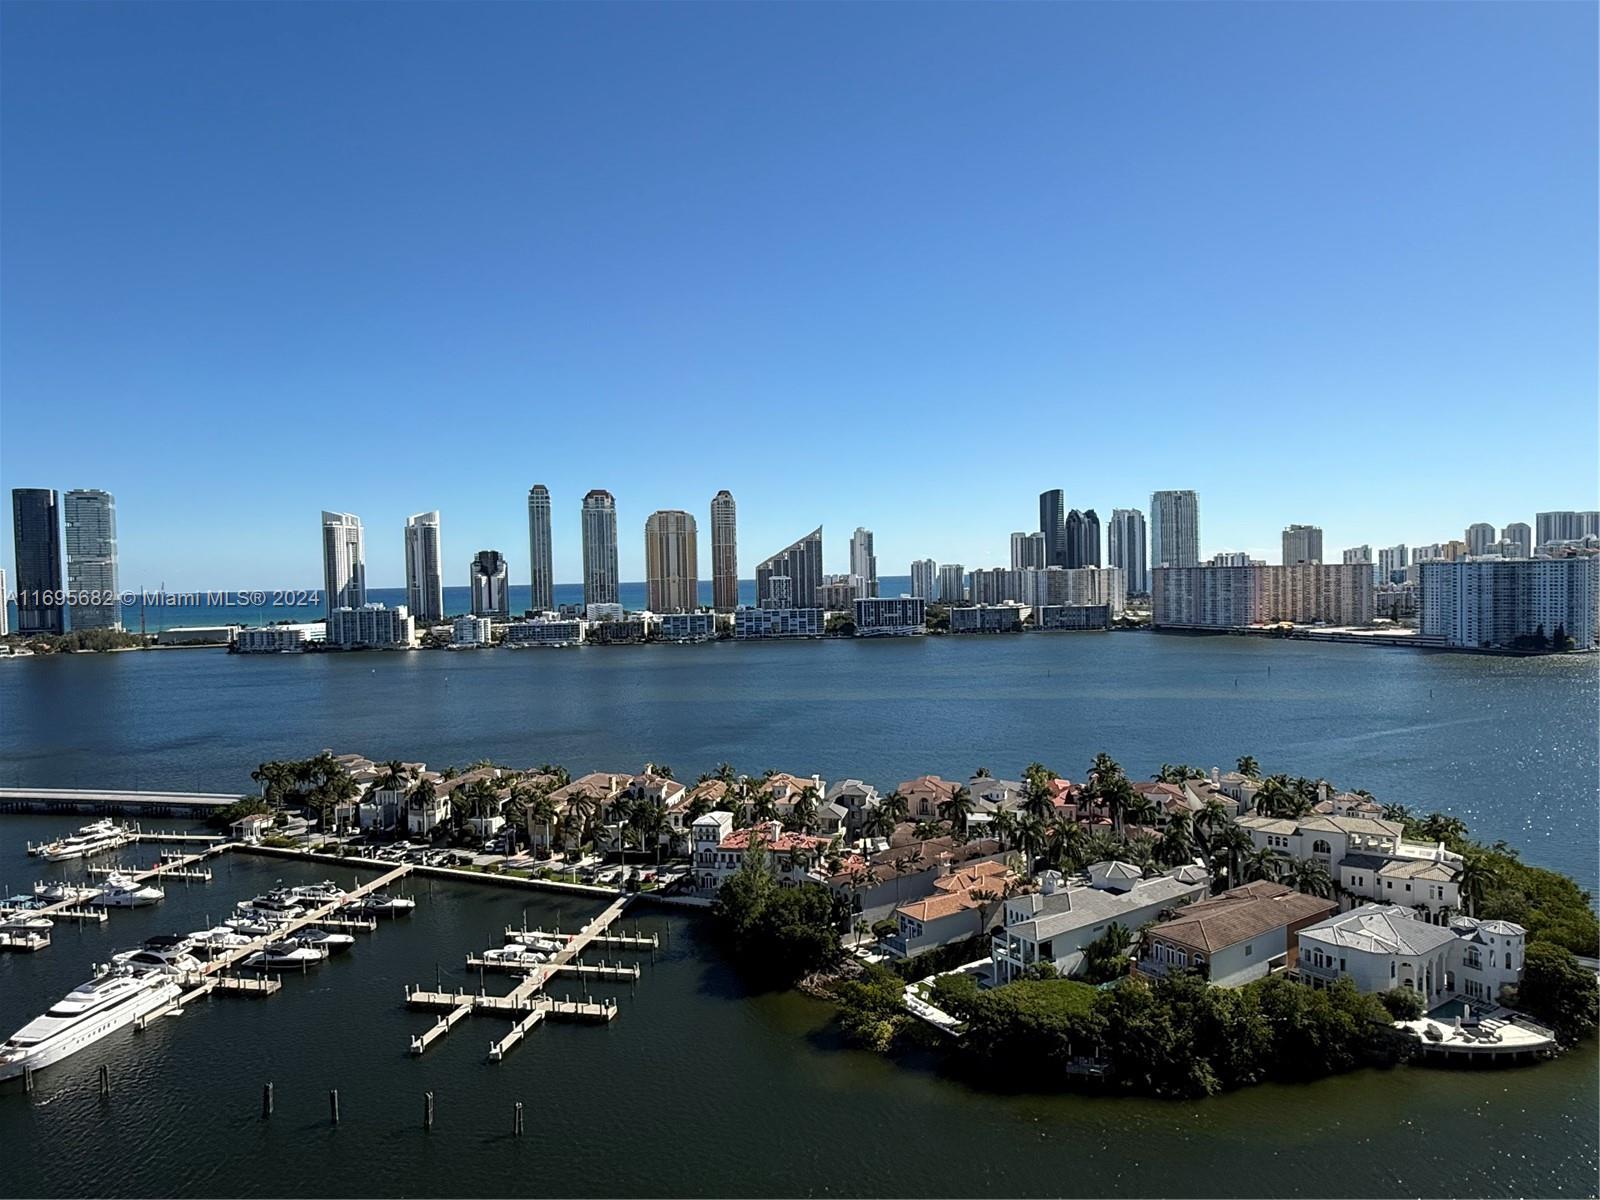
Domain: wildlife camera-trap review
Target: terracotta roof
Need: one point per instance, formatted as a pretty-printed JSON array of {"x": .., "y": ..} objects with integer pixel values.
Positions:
[
  {"x": 930, "y": 786},
  {"x": 922, "y": 856},
  {"x": 1240, "y": 914},
  {"x": 942, "y": 905},
  {"x": 772, "y": 836}
]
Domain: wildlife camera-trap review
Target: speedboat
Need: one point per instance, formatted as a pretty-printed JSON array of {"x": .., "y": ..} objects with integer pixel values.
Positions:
[
  {"x": 533, "y": 941},
  {"x": 120, "y": 891},
  {"x": 279, "y": 904},
  {"x": 254, "y": 924},
  {"x": 380, "y": 903},
  {"x": 54, "y": 893},
  {"x": 283, "y": 956},
  {"x": 117, "y": 997},
  {"x": 219, "y": 940},
  {"x": 165, "y": 953},
  {"x": 515, "y": 955},
  {"x": 93, "y": 838},
  {"x": 333, "y": 943}
]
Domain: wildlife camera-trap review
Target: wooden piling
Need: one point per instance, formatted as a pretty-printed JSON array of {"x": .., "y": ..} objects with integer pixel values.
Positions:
[
  {"x": 333, "y": 1105},
  {"x": 105, "y": 1080},
  {"x": 427, "y": 1110},
  {"x": 266, "y": 1100},
  {"x": 27, "y": 1080},
  {"x": 516, "y": 1120}
]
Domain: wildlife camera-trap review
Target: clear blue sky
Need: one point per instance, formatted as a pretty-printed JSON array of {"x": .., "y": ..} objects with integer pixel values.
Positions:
[{"x": 891, "y": 265}]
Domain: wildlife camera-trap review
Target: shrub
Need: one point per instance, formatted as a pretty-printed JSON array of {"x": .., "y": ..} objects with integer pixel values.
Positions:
[
  {"x": 1403, "y": 1003},
  {"x": 1558, "y": 991}
]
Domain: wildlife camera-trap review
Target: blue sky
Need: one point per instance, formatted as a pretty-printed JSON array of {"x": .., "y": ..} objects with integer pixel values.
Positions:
[{"x": 891, "y": 265}]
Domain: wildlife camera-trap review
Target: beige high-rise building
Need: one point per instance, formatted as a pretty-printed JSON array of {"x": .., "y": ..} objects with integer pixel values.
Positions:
[
  {"x": 724, "y": 552},
  {"x": 541, "y": 572},
  {"x": 599, "y": 547},
  {"x": 671, "y": 562}
]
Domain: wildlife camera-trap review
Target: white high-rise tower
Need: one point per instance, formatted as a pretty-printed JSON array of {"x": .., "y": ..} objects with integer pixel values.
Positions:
[
  {"x": 344, "y": 561},
  {"x": 424, "y": 567}
]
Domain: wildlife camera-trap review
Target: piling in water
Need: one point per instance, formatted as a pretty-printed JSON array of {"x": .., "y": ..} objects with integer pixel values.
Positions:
[
  {"x": 105, "y": 1080},
  {"x": 266, "y": 1100},
  {"x": 333, "y": 1105},
  {"x": 516, "y": 1119},
  {"x": 427, "y": 1110}
]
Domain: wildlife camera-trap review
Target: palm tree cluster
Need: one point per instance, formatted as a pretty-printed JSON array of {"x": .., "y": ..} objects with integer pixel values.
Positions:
[{"x": 320, "y": 783}]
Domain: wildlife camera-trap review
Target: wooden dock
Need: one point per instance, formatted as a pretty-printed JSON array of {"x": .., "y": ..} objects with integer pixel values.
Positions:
[
  {"x": 80, "y": 910},
  {"x": 24, "y": 940},
  {"x": 614, "y": 971},
  {"x": 167, "y": 870},
  {"x": 246, "y": 985},
  {"x": 612, "y": 941},
  {"x": 526, "y": 1002}
]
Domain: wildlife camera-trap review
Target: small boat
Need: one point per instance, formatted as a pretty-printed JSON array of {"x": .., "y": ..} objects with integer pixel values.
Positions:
[
  {"x": 333, "y": 943},
  {"x": 284, "y": 956},
  {"x": 318, "y": 894},
  {"x": 380, "y": 903},
  {"x": 219, "y": 940},
  {"x": 253, "y": 926},
  {"x": 515, "y": 955},
  {"x": 116, "y": 997},
  {"x": 54, "y": 893},
  {"x": 120, "y": 891},
  {"x": 533, "y": 941}
]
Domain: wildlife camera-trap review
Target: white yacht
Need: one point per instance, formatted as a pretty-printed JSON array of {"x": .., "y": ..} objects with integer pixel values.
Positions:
[
  {"x": 515, "y": 955},
  {"x": 95, "y": 838},
  {"x": 317, "y": 894},
  {"x": 381, "y": 903},
  {"x": 277, "y": 905},
  {"x": 120, "y": 891},
  {"x": 167, "y": 954},
  {"x": 27, "y": 920},
  {"x": 54, "y": 893},
  {"x": 118, "y": 997},
  {"x": 283, "y": 956},
  {"x": 219, "y": 940}
]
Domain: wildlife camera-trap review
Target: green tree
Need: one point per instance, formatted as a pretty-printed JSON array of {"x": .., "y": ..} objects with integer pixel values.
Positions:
[{"x": 1558, "y": 991}]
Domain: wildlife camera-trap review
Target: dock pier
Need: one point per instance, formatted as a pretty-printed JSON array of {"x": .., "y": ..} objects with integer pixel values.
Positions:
[{"x": 527, "y": 1003}]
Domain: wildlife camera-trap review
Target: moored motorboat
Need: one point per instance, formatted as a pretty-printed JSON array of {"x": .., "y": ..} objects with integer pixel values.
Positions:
[
  {"x": 515, "y": 955},
  {"x": 94, "y": 838},
  {"x": 121, "y": 891},
  {"x": 26, "y": 920},
  {"x": 333, "y": 943},
  {"x": 165, "y": 953},
  {"x": 317, "y": 894},
  {"x": 219, "y": 940},
  {"x": 381, "y": 903},
  {"x": 283, "y": 956},
  {"x": 533, "y": 941},
  {"x": 54, "y": 893}
]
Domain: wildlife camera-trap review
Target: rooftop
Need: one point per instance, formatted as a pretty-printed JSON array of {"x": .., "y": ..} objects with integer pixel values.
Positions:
[{"x": 1239, "y": 915}]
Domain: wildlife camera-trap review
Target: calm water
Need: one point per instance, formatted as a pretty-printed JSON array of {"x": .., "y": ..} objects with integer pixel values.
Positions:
[{"x": 700, "y": 1087}]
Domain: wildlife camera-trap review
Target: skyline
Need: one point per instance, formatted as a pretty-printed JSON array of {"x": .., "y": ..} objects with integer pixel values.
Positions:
[{"x": 893, "y": 241}]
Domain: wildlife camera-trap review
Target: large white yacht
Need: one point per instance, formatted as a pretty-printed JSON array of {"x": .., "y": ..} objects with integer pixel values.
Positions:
[
  {"x": 120, "y": 891},
  {"x": 117, "y": 997},
  {"x": 94, "y": 838},
  {"x": 54, "y": 893}
]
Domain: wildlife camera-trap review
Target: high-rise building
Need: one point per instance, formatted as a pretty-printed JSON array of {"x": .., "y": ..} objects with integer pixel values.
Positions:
[
  {"x": 1566, "y": 526},
  {"x": 5, "y": 605},
  {"x": 1479, "y": 535},
  {"x": 671, "y": 562},
  {"x": 599, "y": 548},
  {"x": 799, "y": 565},
  {"x": 1125, "y": 548},
  {"x": 541, "y": 564},
  {"x": 1358, "y": 554},
  {"x": 1511, "y": 602},
  {"x": 1174, "y": 529},
  {"x": 91, "y": 527},
  {"x": 952, "y": 583},
  {"x": 1392, "y": 564},
  {"x": 1028, "y": 551},
  {"x": 344, "y": 561},
  {"x": 1086, "y": 548},
  {"x": 925, "y": 578},
  {"x": 36, "y": 530},
  {"x": 724, "y": 553},
  {"x": 863, "y": 563},
  {"x": 424, "y": 568},
  {"x": 1053, "y": 524},
  {"x": 1520, "y": 537},
  {"x": 1302, "y": 544},
  {"x": 490, "y": 579},
  {"x": 1239, "y": 596},
  {"x": 1072, "y": 540}
]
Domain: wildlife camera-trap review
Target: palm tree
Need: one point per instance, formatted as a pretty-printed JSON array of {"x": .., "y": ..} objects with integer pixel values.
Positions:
[
  {"x": 393, "y": 777},
  {"x": 725, "y": 773},
  {"x": 543, "y": 810},
  {"x": 1177, "y": 843},
  {"x": 1259, "y": 864},
  {"x": 1212, "y": 816},
  {"x": 1004, "y": 827},
  {"x": 880, "y": 822},
  {"x": 1101, "y": 846},
  {"x": 1067, "y": 842},
  {"x": 1232, "y": 843},
  {"x": 958, "y": 809},
  {"x": 1396, "y": 812},
  {"x": 647, "y": 821},
  {"x": 803, "y": 813},
  {"x": 619, "y": 813},
  {"x": 698, "y": 807},
  {"x": 1031, "y": 838},
  {"x": 763, "y": 807},
  {"x": 1309, "y": 876},
  {"x": 1438, "y": 827},
  {"x": 1476, "y": 877},
  {"x": 896, "y": 806},
  {"x": 1139, "y": 809},
  {"x": 1249, "y": 767},
  {"x": 557, "y": 772},
  {"x": 982, "y": 773}
]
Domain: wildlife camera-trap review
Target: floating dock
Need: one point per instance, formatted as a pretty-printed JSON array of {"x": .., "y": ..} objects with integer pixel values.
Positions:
[
  {"x": 80, "y": 909},
  {"x": 527, "y": 1003},
  {"x": 24, "y": 940}
]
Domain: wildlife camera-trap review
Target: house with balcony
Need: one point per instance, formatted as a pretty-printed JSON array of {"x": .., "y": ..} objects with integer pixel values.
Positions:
[
  {"x": 925, "y": 794},
  {"x": 793, "y": 858},
  {"x": 1383, "y": 946},
  {"x": 1235, "y": 937},
  {"x": 1430, "y": 887},
  {"x": 858, "y": 800},
  {"x": 878, "y": 883},
  {"x": 1056, "y": 923},
  {"x": 959, "y": 909}
]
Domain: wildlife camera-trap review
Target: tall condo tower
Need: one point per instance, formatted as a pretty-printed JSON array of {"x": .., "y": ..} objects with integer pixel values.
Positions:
[
  {"x": 1053, "y": 524},
  {"x": 36, "y": 529},
  {"x": 490, "y": 579},
  {"x": 671, "y": 561},
  {"x": 1028, "y": 551},
  {"x": 1125, "y": 548},
  {"x": 1303, "y": 544},
  {"x": 541, "y": 568},
  {"x": 344, "y": 561},
  {"x": 863, "y": 564},
  {"x": 91, "y": 520},
  {"x": 1174, "y": 529},
  {"x": 599, "y": 548},
  {"x": 1089, "y": 539},
  {"x": 724, "y": 553},
  {"x": 424, "y": 567},
  {"x": 925, "y": 579},
  {"x": 800, "y": 566}
]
